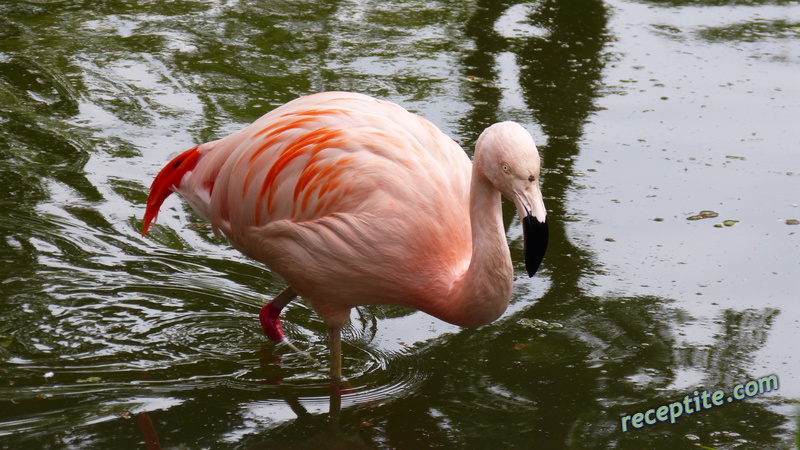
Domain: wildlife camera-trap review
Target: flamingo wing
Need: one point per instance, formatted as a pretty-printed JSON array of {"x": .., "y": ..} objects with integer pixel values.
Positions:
[{"x": 352, "y": 200}]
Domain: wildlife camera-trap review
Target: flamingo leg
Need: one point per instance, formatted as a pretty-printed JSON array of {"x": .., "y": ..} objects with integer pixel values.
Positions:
[
  {"x": 335, "y": 335},
  {"x": 271, "y": 321},
  {"x": 270, "y": 313}
]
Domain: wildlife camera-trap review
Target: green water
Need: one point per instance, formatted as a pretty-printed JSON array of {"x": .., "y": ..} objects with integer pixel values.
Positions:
[{"x": 646, "y": 113}]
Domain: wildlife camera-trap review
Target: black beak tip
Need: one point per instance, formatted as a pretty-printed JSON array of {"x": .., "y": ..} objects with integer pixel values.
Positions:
[{"x": 535, "y": 235}]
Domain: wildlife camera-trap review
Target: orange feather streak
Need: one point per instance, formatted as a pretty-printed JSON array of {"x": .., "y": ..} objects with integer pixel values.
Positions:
[{"x": 311, "y": 143}]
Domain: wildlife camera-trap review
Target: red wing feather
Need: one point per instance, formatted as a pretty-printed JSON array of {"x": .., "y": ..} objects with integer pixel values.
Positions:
[{"x": 165, "y": 182}]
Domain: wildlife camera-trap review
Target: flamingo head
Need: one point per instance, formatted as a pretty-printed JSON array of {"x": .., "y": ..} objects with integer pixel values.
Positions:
[{"x": 508, "y": 158}]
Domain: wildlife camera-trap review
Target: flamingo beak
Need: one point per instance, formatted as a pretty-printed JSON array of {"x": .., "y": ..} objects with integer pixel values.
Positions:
[{"x": 535, "y": 235}]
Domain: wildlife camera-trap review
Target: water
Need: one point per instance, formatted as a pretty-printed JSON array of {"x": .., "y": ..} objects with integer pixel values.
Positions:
[{"x": 646, "y": 113}]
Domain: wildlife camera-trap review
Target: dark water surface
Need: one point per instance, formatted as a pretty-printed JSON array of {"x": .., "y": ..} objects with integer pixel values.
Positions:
[{"x": 647, "y": 113}]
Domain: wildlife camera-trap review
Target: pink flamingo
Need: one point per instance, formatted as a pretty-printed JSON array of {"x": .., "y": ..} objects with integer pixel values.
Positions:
[{"x": 356, "y": 201}]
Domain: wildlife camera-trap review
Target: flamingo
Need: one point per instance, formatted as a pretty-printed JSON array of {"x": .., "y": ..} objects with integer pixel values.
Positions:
[{"x": 356, "y": 201}]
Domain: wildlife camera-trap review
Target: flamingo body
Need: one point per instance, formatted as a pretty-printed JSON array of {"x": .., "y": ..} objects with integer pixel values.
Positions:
[{"x": 356, "y": 201}]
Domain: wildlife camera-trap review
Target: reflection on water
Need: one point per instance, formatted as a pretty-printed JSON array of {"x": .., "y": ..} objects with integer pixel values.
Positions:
[{"x": 99, "y": 325}]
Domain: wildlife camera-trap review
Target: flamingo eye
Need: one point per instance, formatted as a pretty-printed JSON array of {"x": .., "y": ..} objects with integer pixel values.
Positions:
[{"x": 505, "y": 167}]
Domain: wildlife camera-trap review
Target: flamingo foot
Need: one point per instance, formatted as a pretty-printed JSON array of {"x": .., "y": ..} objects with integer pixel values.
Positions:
[{"x": 271, "y": 322}]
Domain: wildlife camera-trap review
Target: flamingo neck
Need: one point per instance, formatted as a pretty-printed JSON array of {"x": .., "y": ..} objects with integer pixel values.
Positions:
[{"x": 482, "y": 293}]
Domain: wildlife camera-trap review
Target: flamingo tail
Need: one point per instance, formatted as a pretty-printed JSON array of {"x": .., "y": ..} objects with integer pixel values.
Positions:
[{"x": 165, "y": 183}]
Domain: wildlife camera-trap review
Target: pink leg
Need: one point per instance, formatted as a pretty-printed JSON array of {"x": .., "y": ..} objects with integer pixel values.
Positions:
[
  {"x": 270, "y": 313},
  {"x": 335, "y": 337}
]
